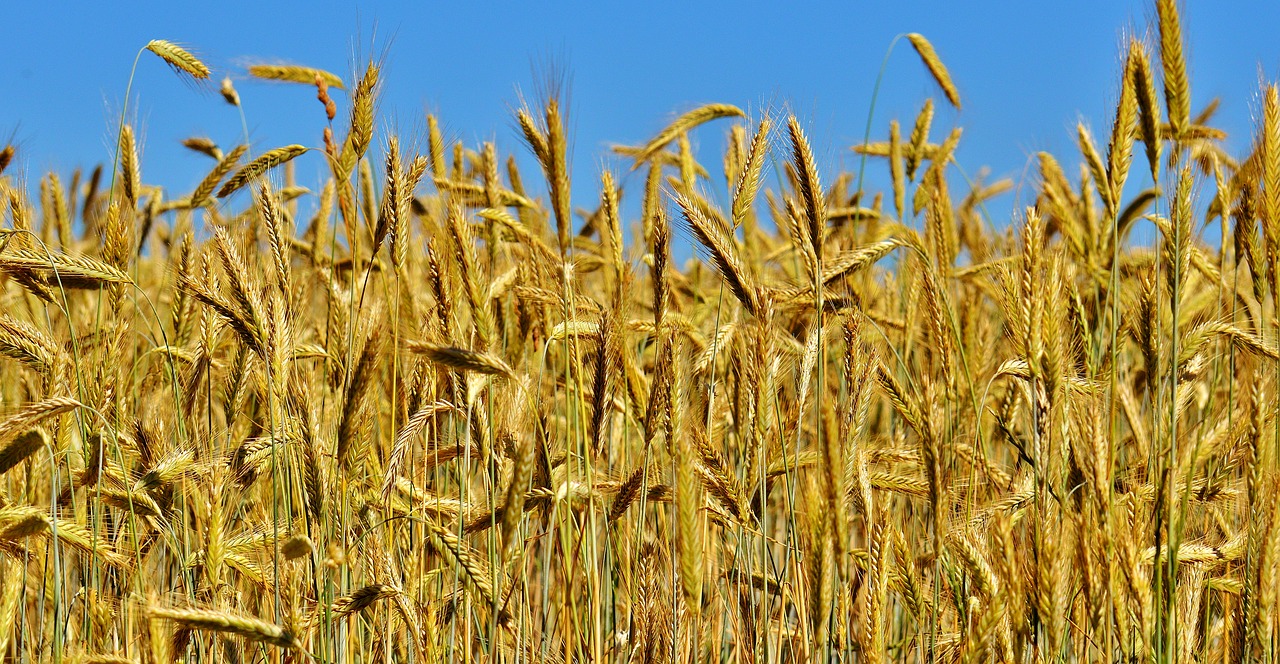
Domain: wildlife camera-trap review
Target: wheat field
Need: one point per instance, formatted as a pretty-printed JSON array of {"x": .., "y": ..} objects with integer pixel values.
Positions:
[{"x": 429, "y": 409}]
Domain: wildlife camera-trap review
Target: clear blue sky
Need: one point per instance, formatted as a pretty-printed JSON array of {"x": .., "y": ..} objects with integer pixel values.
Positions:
[{"x": 1026, "y": 72}]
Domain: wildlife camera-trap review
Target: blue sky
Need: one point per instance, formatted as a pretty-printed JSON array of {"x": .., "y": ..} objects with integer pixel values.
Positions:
[{"x": 1027, "y": 71}]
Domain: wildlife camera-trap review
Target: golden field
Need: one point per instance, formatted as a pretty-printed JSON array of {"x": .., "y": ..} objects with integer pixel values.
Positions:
[{"x": 432, "y": 409}]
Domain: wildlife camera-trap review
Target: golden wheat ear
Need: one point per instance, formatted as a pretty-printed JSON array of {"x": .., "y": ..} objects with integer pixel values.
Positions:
[
  {"x": 226, "y": 162},
  {"x": 1177, "y": 89},
  {"x": 725, "y": 255},
  {"x": 934, "y": 64},
  {"x": 294, "y": 74},
  {"x": 683, "y": 124},
  {"x": 179, "y": 58},
  {"x": 267, "y": 161},
  {"x": 226, "y": 622}
]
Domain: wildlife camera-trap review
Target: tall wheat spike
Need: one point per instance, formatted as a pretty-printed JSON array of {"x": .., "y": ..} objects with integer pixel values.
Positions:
[{"x": 179, "y": 58}]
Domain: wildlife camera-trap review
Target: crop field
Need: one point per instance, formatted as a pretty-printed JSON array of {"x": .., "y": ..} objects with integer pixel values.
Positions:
[{"x": 430, "y": 409}]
